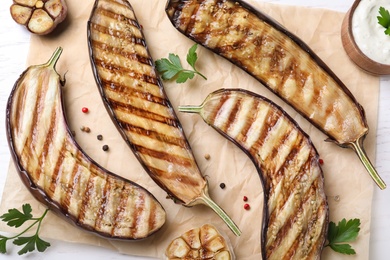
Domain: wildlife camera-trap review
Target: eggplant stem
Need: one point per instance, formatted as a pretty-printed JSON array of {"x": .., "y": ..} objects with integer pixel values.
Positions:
[
  {"x": 359, "y": 149},
  {"x": 190, "y": 109},
  {"x": 205, "y": 199},
  {"x": 54, "y": 58}
]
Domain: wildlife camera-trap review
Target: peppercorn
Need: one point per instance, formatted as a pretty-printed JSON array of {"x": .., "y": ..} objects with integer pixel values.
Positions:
[
  {"x": 99, "y": 137},
  {"x": 85, "y": 109},
  {"x": 207, "y": 156},
  {"x": 247, "y": 207},
  {"x": 321, "y": 161},
  {"x": 105, "y": 148},
  {"x": 222, "y": 185},
  {"x": 245, "y": 198}
]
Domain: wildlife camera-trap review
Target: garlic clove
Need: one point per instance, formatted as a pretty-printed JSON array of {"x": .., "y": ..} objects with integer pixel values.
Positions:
[
  {"x": 20, "y": 14},
  {"x": 40, "y": 22}
]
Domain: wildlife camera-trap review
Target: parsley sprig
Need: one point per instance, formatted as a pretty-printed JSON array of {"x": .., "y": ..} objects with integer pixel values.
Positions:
[
  {"x": 384, "y": 19},
  {"x": 171, "y": 67},
  {"x": 16, "y": 218},
  {"x": 339, "y": 235}
]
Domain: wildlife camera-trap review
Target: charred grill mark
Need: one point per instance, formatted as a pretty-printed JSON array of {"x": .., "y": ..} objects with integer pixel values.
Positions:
[
  {"x": 137, "y": 213},
  {"x": 277, "y": 55},
  {"x": 131, "y": 92},
  {"x": 217, "y": 110},
  {"x": 46, "y": 145},
  {"x": 152, "y": 220},
  {"x": 118, "y": 17},
  {"x": 232, "y": 116},
  {"x": 118, "y": 218},
  {"x": 276, "y": 149},
  {"x": 114, "y": 68},
  {"x": 118, "y": 34},
  {"x": 121, "y": 52},
  {"x": 250, "y": 118},
  {"x": 86, "y": 198},
  {"x": 38, "y": 107},
  {"x": 118, "y": 4},
  {"x": 177, "y": 160},
  {"x": 155, "y": 135},
  {"x": 56, "y": 174},
  {"x": 103, "y": 204},
  {"x": 145, "y": 114},
  {"x": 272, "y": 119},
  {"x": 65, "y": 203},
  {"x": 184, "y": 180},
  {"x": 292, "y": 251},
  {"x": 190, "y": 22}
]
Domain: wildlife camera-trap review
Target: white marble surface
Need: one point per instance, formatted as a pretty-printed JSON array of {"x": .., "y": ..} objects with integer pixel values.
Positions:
[{"x": 14, "y": 42}]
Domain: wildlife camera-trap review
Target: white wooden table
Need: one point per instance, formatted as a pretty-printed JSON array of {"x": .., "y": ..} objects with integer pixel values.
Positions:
[{"x": 14, "y": 42}]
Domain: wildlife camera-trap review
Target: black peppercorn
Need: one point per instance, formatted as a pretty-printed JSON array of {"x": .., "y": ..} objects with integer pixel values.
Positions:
[{"x": 105, "y": 148}]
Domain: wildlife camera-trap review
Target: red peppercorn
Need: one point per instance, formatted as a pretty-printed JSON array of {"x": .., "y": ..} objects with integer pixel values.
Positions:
[
  {"x": 84, "y": 109},
  {"x": 247, "y": 207},
  {"x": 245, "y": 198},
  {"x": 321, "y": 161}
]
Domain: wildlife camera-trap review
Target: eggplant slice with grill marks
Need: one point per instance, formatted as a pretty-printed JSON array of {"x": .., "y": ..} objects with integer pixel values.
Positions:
[
  {"x": 279, "y": 60},
  {"x": 295, "y": 218},
  {"x": 135, "y": 99},
  {"x": 59, "y": 174}
]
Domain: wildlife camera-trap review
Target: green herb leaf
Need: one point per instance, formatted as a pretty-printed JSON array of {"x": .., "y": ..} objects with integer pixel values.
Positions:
[
  {"x": 339, "y": 235},
  {"x": 16, "y": 218},
  {"x": 384, "y": 19},
  {"x": 345, "y": 249},
  {"x": 31, "y": 243},
  {"x": 172, "y": 67},
  {"x": 192, "y": 56},
  {"x": 3, "y": 244}
]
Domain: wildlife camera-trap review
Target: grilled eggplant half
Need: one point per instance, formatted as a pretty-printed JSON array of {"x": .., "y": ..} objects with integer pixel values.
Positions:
[
  {"x": 280, "y": 61},
  {"x": 60, "y": 175},
  {"x": 295, "y": 215},
  {"x": 135, "y": 99}
]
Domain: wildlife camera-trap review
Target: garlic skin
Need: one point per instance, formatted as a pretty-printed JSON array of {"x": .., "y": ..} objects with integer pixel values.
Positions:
[{"x": 40, "y": 17}]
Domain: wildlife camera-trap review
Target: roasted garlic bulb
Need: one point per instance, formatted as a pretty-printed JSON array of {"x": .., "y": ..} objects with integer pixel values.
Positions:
[
  {"x": 200, "y": 243},
  {"x": 39, "y": 16}
]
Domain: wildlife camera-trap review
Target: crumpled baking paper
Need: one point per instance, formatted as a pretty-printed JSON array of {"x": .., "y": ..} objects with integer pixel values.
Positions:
[{"x": 345, "y": 176}]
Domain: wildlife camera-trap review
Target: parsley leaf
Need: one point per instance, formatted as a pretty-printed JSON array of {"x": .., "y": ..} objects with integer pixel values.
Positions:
[
  {"x": 192, "y": 56},
  {"x": 172, "y": 67},
  {"x": 339, "y": 235},
  {"x": 384, "y": 19},
  {"x": 16, "y": 218}
]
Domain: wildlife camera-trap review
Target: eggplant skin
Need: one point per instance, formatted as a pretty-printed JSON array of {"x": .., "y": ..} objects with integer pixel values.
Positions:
[
  {"x": 61, "y": 176},
  {"x": 296, "y": 211},
  {"x": 277, "y": 58},
  {"x": 137, "y": 103}
]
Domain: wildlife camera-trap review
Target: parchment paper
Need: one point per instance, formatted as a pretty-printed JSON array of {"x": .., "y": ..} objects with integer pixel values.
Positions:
[{"x": 344, "y": 174}]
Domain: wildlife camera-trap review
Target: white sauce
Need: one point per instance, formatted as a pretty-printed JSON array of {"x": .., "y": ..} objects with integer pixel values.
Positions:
[{"x": 369, "y": 35}]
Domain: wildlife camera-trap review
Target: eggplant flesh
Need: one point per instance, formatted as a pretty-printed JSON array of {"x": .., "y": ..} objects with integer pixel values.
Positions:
[
  {"x": 136, "y": 101},
  {"x": 295, "y": 218},
  {"x": 60, "y": 175},
  {"x": 281, "y": 62}
]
